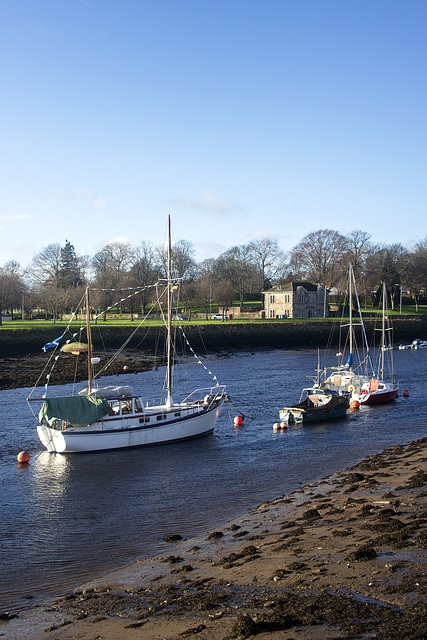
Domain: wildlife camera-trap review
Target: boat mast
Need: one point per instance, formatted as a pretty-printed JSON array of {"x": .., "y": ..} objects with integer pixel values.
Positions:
[
  {"x": 89, "y": 344},
  {"x": 169, "y": 400},
  {"x": 383, "y": 334},
  {"x": 350, "y": 309}
]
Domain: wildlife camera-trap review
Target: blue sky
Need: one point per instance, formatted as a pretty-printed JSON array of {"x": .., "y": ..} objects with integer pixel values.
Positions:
[{"x": 240, "y": 118}]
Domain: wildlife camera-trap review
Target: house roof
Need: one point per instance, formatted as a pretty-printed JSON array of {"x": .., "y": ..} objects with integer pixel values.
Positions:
[{"x": 292, "y": 286}]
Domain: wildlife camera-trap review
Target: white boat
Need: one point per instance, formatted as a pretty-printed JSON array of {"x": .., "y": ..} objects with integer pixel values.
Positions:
[
  {"x": 114, "y": 417},
  {"x": 360, "y": 378},
  {"x": 415, "y": 344},
  {"x": 378, "y": 390},
  {"x": 358, "y": 368}
]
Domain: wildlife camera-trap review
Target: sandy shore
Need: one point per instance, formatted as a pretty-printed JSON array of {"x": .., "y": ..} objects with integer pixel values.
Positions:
[{"x": 341, "y": 558}]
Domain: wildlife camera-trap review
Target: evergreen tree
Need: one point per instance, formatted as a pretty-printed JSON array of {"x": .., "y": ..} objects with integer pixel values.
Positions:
[{"x": 69, "y": 268}]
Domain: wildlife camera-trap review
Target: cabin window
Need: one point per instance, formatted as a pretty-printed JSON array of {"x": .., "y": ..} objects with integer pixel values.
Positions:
[
  {"x": 177, "y": 414},
  {"x": 126, "y": 407}
]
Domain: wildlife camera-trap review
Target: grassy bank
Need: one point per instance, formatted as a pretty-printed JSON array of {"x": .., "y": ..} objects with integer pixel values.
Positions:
[{"x": 209, "y": 336}]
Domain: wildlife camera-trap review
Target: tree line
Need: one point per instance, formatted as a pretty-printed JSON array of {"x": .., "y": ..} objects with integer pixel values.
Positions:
[{"x": 54, "y": 280}]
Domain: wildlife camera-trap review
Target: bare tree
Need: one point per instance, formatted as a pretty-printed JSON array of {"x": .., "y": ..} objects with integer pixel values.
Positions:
[
  {"x": 111, "y": 266},
  {"x": 12, "y": 287},
  {"x": 224, "y": 294},
  {"x": 266, "y": 255},
  {"x": 416, "y": 271},
  {"x": 387, "y": 263},
  {"x": 144, "y": 271},
  {"x": 318, "y": 256},
  {"x": 233, "y": 266},
  {"x": 46, "y": 265},
  {"x": 183, "y": 263}
]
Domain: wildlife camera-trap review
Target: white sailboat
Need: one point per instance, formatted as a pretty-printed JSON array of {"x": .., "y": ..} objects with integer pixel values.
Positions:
[
  {"x": 358, "y": 369},
  {"x": 99, "y": 419},
  {"x": 378, "y": 390},
  {"x": 358, "y": 375}
]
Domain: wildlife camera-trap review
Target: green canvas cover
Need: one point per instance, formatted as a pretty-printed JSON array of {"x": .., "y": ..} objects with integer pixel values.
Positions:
[{"x": 76, "y": 410}]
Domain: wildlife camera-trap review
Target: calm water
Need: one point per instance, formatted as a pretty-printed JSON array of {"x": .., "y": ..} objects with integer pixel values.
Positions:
[{"x": 66, "y": 519}]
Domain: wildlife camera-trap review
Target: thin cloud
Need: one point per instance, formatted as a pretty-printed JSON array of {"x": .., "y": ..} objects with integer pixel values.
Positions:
[
  {"x": 206, "y": 203},
  {"x": 98, "y": 204},
  {"x": 13, "y": 218},
  {"x": 81, "y": 192},
  {"x": 205, "y": 250},
  {"x": 119, "y": 240}
]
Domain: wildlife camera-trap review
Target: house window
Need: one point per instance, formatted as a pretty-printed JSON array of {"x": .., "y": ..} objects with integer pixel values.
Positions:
[{"x": 272, "y": 299}]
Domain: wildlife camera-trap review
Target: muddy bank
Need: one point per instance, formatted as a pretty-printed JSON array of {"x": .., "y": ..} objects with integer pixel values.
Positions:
[
  {"x": 212, "y": 336},
  {"x": 341, "y": 558},
  {"x": 31, "y": 370}
]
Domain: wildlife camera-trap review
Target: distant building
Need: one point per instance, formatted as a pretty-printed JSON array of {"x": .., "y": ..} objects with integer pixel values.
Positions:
[{"x": 296, "y": 300}]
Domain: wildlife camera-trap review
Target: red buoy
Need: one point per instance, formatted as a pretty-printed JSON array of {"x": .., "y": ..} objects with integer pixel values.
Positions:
[
  {"x": 23, "y": 456},
  {"x": 238, "y": 421},
  {"x": 405, "y": 394}
]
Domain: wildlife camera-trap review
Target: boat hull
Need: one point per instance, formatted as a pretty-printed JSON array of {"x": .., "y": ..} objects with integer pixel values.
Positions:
[
  {"x": 101, "y": 437},
  {"x": 312, "y": 416},
  {"x": 382, "y": 396},
  {"x": 331, "y": 406}
]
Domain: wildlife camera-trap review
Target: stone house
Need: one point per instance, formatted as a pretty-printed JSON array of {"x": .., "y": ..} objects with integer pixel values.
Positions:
[{"x": 296, "y": 300}]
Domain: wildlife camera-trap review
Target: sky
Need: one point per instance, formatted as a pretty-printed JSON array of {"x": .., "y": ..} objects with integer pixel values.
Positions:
[{"x": 242, "y": 119}]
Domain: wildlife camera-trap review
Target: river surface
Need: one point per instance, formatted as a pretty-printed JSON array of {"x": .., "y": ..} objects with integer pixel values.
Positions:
[{"x": 65, "y": 519}]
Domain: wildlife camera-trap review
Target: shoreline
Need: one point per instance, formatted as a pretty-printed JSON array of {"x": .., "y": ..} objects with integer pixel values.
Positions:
[{"x": 343, "y": 556}]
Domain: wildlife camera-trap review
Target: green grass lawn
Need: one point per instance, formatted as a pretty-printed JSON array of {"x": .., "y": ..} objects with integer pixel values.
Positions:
[{"x": 368, "y": 312}]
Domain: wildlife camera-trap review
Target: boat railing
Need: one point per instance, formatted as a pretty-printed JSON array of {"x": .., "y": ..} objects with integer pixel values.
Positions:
[{"x": 213, "y": 393}]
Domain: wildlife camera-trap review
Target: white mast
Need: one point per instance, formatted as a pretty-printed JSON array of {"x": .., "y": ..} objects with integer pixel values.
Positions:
[
  {"x": 383, "y": 334},
  {"x": 350, "y": 307},
  {"x": 89, "y": 344},
  {"x": 169, "y": 401}
]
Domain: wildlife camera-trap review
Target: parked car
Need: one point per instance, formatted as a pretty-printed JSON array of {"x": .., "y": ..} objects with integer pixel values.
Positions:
[
  {"x": 217, "y": 316},
  {"x": 179, "y": 316}
]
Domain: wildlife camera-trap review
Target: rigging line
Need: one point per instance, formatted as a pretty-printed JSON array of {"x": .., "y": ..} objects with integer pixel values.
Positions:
[
  {"x": 363, "y": 327},
  {"x": 244, "y": 415},
  {"x": 140, "y": 289},
  {"x": 124, "y": 345},
  {"x": 197, "y": 357},
  {"x": 52, "y": 355},
  {"x": 101, "y": 313}
]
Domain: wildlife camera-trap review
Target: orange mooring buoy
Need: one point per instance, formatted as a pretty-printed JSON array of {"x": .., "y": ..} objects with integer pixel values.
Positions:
[
  {"x": 23, "y": 456},
  {"x": 238, "y": 421},
  {"x": 405, "y": 394}
]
